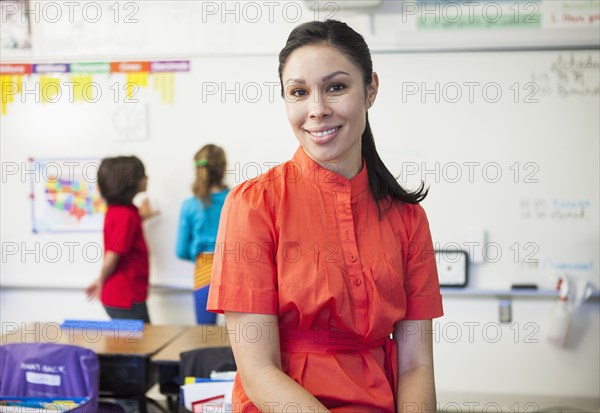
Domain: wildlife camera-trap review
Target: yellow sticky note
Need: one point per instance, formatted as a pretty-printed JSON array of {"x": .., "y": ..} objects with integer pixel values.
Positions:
[
  {"x": 9, "y": 87},
  {"x": 135, "y": 81},
  {"x": 143, "y": 79},
  {"x": 165, "y": 84},
  {"x": 82, "y": 91},
  {"x": 49, "y": 88}
]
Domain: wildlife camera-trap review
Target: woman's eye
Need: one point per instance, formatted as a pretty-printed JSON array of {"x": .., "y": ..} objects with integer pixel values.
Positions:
[
  {"x": 298, "y": 92},
  {"x": 337, "y": 87}
]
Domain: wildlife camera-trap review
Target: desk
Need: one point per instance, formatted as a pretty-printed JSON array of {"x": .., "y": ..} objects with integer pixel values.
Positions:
[
  {"x": 167, "y": 359},
  {"x": 125, "y": 368}
]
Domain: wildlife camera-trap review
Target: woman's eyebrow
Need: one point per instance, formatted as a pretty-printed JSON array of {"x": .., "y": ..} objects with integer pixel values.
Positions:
[
  {"x": 334, "y": 74},
  {"x": 298, "y": 81},
  {"x": 324, "y": 79}
]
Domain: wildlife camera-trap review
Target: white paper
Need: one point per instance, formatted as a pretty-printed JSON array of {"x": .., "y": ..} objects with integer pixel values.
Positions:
[{"x": 205, "y": 390}]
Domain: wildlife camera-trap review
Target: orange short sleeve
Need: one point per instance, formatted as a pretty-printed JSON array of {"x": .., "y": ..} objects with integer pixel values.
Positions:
[
  {"x": 244, "y": 275},
  {"x": 421, "y": 283}
]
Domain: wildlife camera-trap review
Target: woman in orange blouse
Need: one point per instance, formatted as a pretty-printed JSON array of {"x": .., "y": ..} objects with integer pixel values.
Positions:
[{"x": 324, "y": 257}]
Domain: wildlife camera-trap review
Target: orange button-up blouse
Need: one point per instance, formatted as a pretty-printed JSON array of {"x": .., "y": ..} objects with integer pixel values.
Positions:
[{"x": 307, "y": 244}]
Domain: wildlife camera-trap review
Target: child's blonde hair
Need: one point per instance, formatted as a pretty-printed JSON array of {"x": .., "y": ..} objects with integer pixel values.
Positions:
[{"x": 211, "y": 164}]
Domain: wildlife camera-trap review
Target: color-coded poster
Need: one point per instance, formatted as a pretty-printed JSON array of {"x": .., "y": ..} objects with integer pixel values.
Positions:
[
  {"x": 83, "y": 82},
  {"x": 65, "y": 195}
]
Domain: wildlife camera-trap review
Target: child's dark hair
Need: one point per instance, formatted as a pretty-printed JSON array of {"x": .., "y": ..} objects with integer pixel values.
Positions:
[
  {"x": 119, "y": 179},
  {"x": 384, "y": 186},
  {"x": 211, "y": 164}
]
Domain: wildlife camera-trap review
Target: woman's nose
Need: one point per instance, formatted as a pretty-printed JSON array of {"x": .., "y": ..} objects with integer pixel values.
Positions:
[{"x": 318, "y": 106}]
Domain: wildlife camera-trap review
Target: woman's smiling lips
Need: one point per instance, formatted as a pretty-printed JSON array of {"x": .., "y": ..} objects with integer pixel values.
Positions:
[{"x": 323, "y": 135}]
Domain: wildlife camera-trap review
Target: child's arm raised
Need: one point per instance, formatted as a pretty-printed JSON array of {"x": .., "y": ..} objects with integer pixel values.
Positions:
[
  {"x": 109, "y": 264},
  {"x": 146, "y": 210}
]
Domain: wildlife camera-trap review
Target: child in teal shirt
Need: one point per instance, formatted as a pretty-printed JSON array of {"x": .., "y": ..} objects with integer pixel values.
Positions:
[{"x": 199, "y": 223}]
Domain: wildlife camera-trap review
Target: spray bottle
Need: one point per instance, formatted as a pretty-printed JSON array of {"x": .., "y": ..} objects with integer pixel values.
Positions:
[{"x": 559, "y": 323}]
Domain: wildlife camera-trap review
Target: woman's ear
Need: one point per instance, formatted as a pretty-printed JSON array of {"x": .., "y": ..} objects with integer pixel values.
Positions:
[{"x": 372, "y": 89}]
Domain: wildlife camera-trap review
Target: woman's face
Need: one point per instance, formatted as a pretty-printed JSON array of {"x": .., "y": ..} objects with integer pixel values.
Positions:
[{"x": 326, "y": 104}]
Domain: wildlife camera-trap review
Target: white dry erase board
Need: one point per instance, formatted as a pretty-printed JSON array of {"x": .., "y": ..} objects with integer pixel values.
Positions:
[{"x": 507, "y": 142}]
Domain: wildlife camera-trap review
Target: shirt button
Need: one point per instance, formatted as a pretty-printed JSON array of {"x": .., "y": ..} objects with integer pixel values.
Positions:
[
  {"x": 357, "y": 281},
  {"x": 353, "y": 258}
]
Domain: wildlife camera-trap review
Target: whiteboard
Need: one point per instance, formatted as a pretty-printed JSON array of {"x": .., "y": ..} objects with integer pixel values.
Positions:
[{"x": 507, "y": 142}]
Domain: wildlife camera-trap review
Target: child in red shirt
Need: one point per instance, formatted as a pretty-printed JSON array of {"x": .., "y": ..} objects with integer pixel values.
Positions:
[{"x": 122, "y": 286}]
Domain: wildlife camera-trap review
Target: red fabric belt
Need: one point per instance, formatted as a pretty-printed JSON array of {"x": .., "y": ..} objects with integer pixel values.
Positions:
[{"x": 326, "y": 341}]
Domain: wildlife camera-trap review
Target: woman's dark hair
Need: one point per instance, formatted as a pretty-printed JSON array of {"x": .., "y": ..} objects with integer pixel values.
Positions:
[
  {"x": 119, "y": 179},
  {"x": 384, "y": 187},
  {"x": 211, "y": 164}
]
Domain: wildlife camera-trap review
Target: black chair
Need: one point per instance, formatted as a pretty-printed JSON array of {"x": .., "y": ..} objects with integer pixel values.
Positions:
[{"x": 201, "y": 362}]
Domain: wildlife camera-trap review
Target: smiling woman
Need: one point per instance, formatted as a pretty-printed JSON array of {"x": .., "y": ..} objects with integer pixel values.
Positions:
[
  {"x": 341, "y": 257},
  {"x": 327, "y": 113}
]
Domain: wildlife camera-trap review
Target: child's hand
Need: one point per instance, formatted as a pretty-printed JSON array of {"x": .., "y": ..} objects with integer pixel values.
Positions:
[
  {"x": 94, "y": 290},
  {"x": 146, "y": 210}
]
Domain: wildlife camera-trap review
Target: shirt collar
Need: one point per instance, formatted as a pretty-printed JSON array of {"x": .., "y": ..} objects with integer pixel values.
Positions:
[{"x": 323, "y": 177}]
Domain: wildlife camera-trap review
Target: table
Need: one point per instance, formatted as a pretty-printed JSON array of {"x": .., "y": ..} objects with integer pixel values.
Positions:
[
  {"x": 167, "y": 359},
  {"x": 124, "y": 355}
]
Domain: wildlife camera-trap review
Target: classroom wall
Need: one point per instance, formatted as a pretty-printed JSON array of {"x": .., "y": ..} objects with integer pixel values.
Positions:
[{"x": 553, "y": 141}]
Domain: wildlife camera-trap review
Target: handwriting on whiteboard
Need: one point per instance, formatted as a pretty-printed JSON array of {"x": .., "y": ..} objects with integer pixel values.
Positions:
[
  {"x": 556, "y": 209},
  {"x": 569, "y": 265},
  {"x": 570, "y": 75}
]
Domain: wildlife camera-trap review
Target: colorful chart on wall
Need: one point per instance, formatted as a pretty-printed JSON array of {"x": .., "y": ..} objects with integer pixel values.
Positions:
[{"x": 65, "y": 195}]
